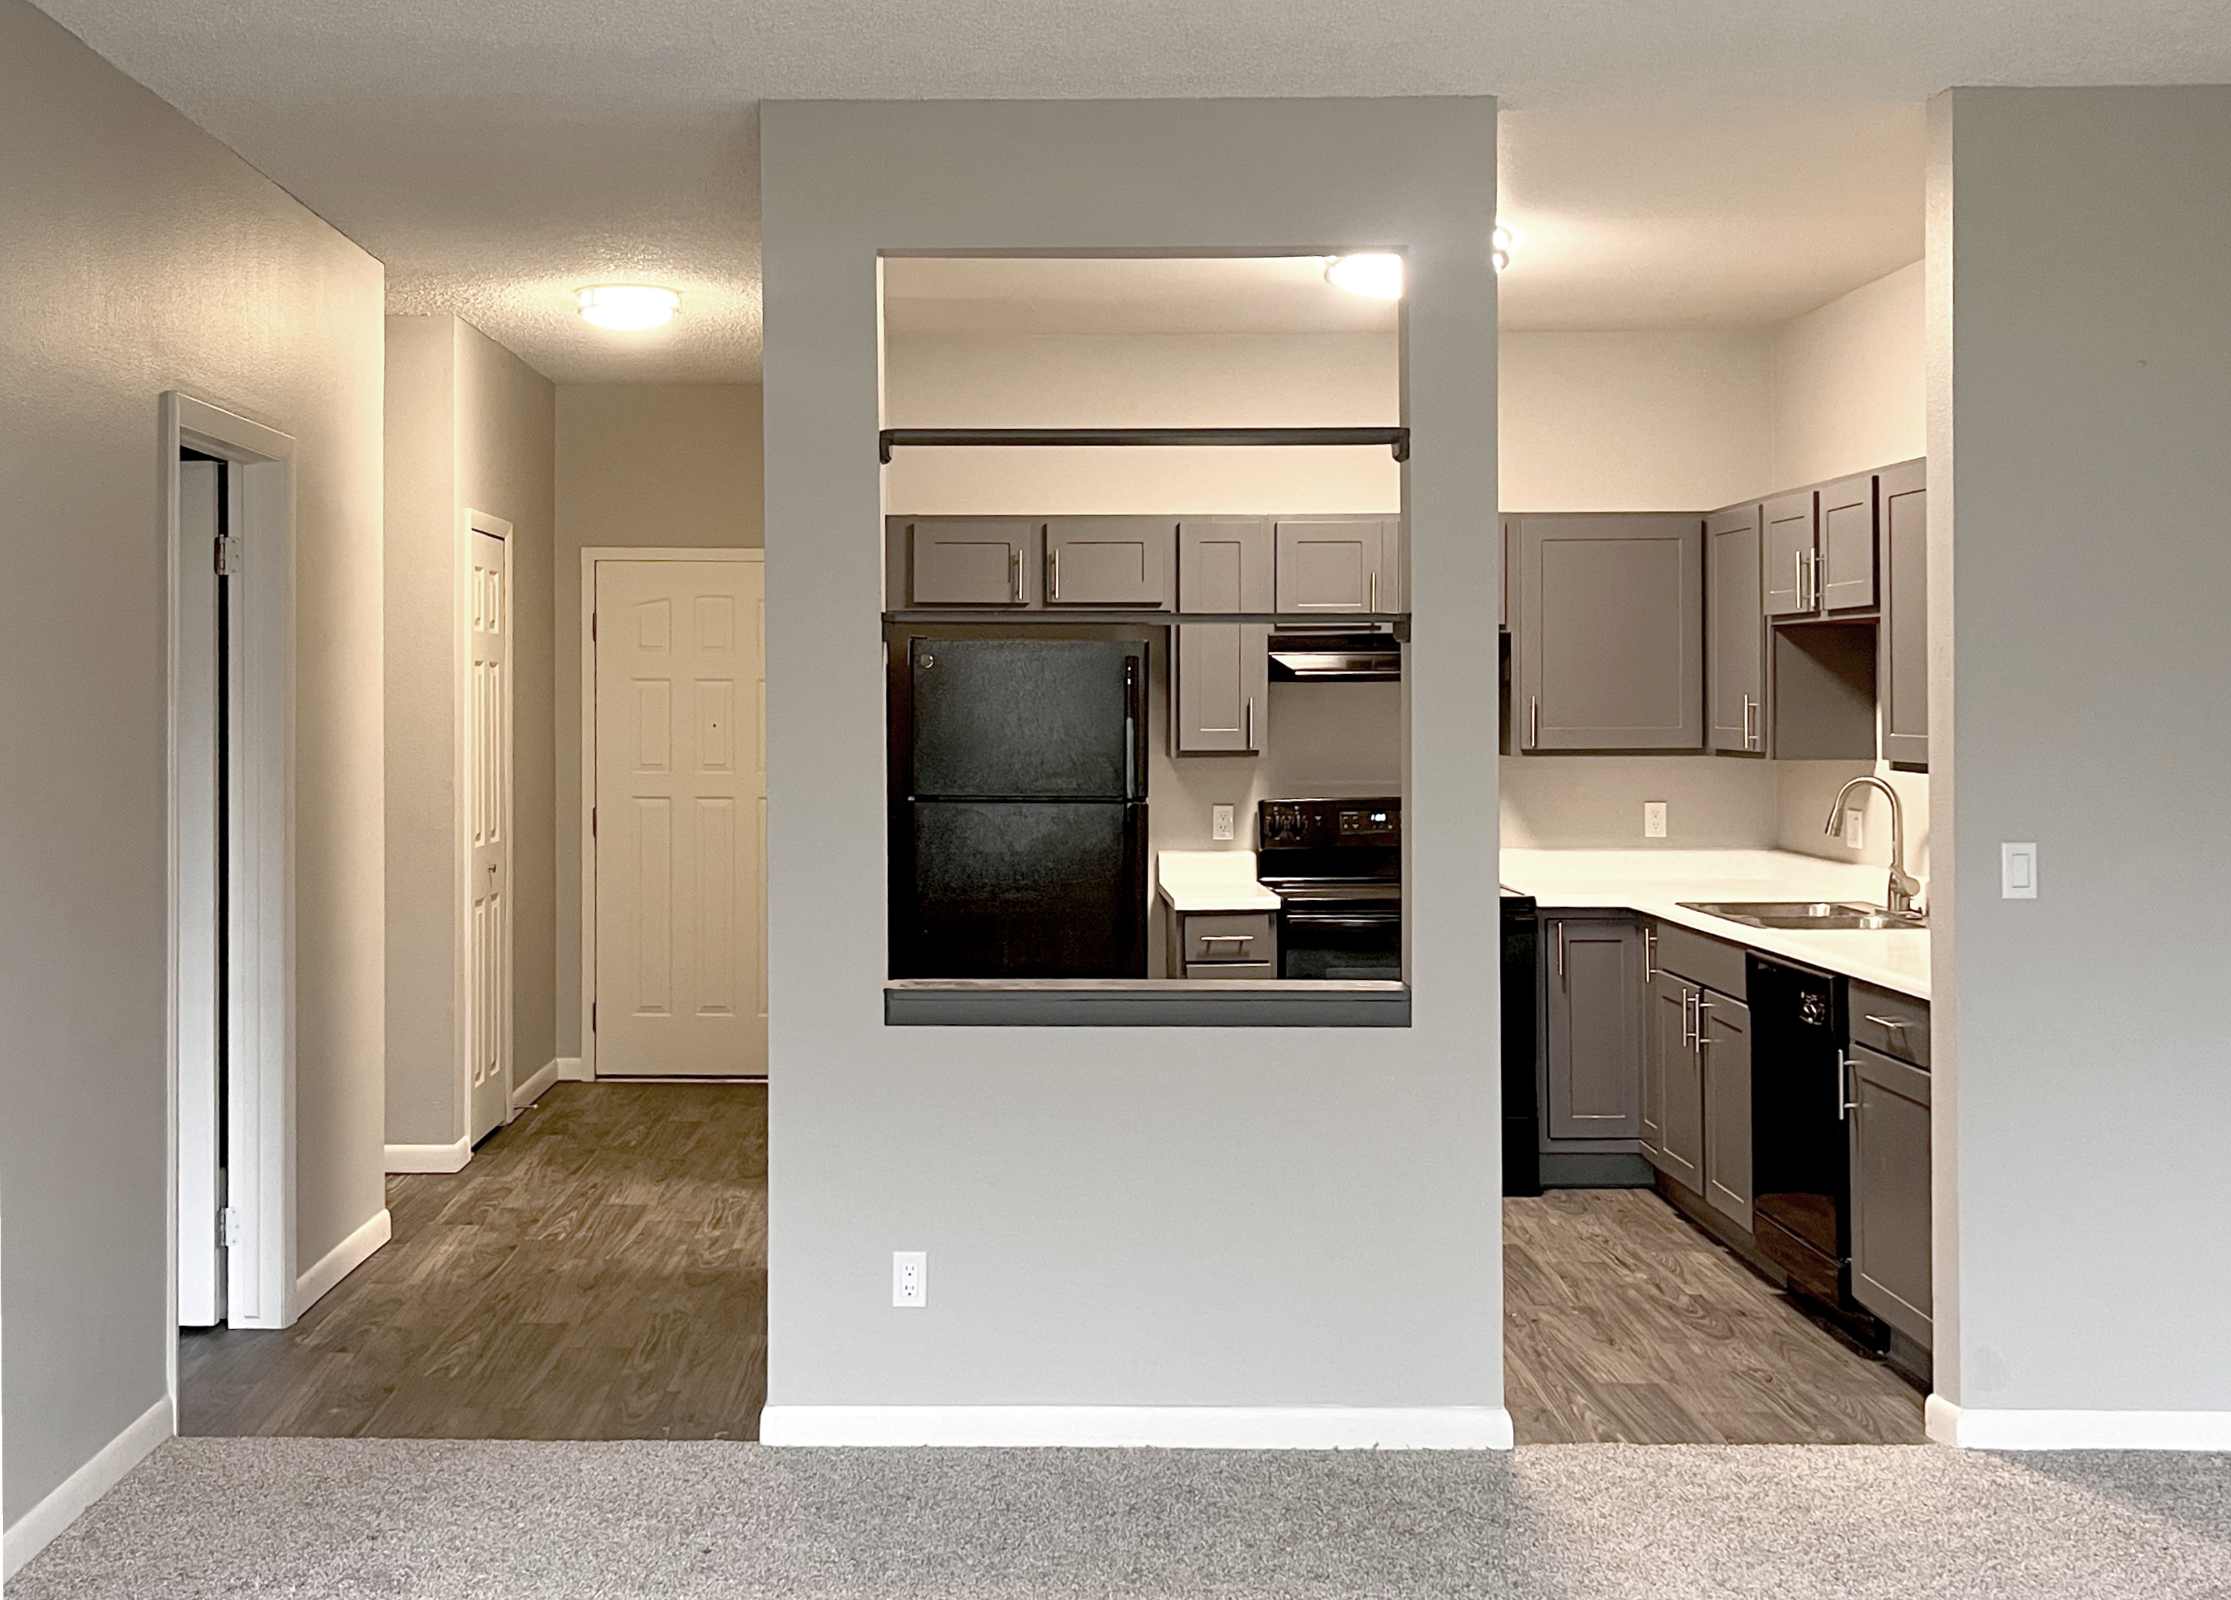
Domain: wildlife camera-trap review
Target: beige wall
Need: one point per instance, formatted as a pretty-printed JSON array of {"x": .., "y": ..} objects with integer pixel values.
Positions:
[
  {"x": 470, "y": 427},
  {"x": 637, "y": 464},
  {"x": 156, "y": 259},
  {"x": 1849, "y": 386}
]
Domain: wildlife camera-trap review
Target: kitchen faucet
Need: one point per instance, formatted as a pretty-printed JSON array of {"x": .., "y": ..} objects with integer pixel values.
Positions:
[{"x": 1903, "y": 888}]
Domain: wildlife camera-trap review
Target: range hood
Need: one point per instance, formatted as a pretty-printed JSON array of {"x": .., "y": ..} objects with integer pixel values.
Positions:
[{"x": 1335, "y": 658}]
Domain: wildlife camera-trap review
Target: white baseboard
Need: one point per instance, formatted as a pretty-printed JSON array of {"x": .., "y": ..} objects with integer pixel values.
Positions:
[
  {"x": 38, "y": 1527},
  {"x": 429, "y": 1157},
  {"x": 572, "y": 1069},
  {"x": 1975, "y": 1428},
  {"x": 1160, "y": 1427},
  {"x": 343, "y": 1259},
  {"x": 527, "y": 1093}
]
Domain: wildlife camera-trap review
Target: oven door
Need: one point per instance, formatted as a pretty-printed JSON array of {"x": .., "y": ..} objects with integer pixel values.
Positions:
[{"x": 1351, "y": 942}]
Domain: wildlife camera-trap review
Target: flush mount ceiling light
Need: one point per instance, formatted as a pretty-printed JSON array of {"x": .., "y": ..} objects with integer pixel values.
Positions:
[
  {"x": 1505, "y": 241},
  {"x": 1375, "y": 274},
  {"x": 629, "y": 307}
]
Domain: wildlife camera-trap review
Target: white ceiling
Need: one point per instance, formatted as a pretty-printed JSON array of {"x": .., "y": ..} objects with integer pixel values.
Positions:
[{"x": 498, "y": 153}]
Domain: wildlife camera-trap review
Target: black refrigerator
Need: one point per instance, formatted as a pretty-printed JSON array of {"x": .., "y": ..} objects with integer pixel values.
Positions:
[{"x": 1018, "y": 815}]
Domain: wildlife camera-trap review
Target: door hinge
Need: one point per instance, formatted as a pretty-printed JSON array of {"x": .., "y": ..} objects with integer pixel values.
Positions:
[
  {"x": 228, "y": 1227},
  {"x": 227, "y": 554}
]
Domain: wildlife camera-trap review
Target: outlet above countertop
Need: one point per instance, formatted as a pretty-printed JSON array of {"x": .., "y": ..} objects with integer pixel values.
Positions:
[
  {"x": 1211, "y": 880},
  {"x": 1655, "y": 882}
]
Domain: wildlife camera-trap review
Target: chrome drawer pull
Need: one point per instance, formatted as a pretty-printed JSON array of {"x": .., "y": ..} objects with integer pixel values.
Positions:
[{"x": 1898, "y": 1023}]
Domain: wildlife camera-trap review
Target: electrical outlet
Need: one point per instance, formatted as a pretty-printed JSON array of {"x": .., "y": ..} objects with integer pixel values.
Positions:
[
  {"x": 910, "y": 1278},
  {"x": 1653, "y": 819},
  {"x": 1855, "y": 827},
  {"x": 1220, "y": 822}
]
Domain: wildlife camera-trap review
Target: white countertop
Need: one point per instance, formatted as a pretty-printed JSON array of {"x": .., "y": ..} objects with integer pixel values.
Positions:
[
  {"x": 1654, "y": 882},
  {"x": 1211, "y": 880}
]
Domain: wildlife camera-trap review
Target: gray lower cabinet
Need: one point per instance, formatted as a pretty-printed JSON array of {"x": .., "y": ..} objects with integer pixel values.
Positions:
[
  {"x": 1592, "y": 1032},
  {"x": 1890, "y": 1193},
  {"x": 1609, "y": 642},
  {"x": 1338, "y": 565},
  {"x": 1673, "y": 1083},
  {"x": 964, "y": 561},
  {"x": 1724, "y": 1047},
  {"x": 1219, "y": 688},
  {"x": 1225, "y": 564},
  {"x": 1735, "y": 633},
  {"x": 1109, "y": 561},
  {"x": 1223, "y": 944},
  {"x": 1903, "y": 655}
]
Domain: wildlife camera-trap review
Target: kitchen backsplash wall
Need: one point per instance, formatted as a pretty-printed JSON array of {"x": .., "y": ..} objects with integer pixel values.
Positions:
[
  {"x": 1595, "y": 802},
  {"x": 1805, "y": 789},
  {"x": 1322, "y": 739}
]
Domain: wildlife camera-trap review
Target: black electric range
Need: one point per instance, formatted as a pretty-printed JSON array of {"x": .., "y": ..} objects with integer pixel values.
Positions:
[{"x": 1336, "y": 866}]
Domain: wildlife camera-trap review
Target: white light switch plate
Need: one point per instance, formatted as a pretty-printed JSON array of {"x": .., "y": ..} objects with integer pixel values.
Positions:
[
  {"x": 1220, "y": 822},
  {"x": 1653, "y": 819},
  {"x": 2018, "y": 871}
]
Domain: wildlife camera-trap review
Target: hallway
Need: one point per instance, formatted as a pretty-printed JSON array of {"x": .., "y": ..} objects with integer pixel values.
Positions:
[{"x": 599, "y": 1271}]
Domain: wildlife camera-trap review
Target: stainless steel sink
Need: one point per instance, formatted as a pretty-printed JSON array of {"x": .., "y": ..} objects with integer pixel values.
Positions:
[{"x": 1826, "y": 915}]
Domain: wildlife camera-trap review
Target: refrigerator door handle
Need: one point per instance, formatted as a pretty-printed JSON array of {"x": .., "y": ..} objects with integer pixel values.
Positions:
[{"x": 1130, "y": 729}]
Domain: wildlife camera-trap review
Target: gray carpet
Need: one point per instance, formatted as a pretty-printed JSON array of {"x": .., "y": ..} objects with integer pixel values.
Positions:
[{"x": 271, "y": 1518}]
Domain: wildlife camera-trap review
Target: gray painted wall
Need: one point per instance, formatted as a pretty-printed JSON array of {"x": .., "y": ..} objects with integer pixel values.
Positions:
[
  {"x": 156, "y": 259},
  {"x": 469, "y": 427},
  {"x": 1121, "y": 1217},
  {"x": 637, "y": 464},
  {"x": 2080, "y": 246}
]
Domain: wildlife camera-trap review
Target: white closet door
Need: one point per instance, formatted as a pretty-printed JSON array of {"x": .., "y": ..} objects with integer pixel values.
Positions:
[
  {"x": 681, "y": 799},
  {"x": 487, "y": 809}
]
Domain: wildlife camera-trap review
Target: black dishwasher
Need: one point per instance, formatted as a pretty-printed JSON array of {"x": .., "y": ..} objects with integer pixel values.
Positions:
[{"x": 1802, "y": 1163}]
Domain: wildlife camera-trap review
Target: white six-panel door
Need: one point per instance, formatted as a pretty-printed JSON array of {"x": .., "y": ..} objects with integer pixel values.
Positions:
[
  {"x": 487, "y": 812},
  {"x": 679, "y": 820}
]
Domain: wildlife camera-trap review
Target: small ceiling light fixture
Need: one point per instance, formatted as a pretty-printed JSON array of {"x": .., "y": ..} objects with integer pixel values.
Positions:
[
  {"x": 1506, "y": 240},
  {"x": 1376, "y": 274},
  {"x": 629, "y": 307}
]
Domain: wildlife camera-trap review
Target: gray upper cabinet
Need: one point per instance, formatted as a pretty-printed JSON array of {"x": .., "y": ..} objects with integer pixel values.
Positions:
[
  {"x": 1503, "y": 573},
  {"x": 1225, "y": 564},
  {"x": 1610, "y": 638},
  {"x": 1338, "y": 565},
  {"x": 1593, "y": 1037},
  {"x": 1890, "y": 1195},
  {"x": 963, "y": 561},
  {"x": 1219, "y": 687},
  {"x": 1790, "y": 552},
  {"x": 1109, "y": 561},
  {"x": 1724, "y": 1040},
  {"x": 1846, "y": 570},
  {"x": 1735, "y": 652},
  {"x": 1902, "y": 661}
]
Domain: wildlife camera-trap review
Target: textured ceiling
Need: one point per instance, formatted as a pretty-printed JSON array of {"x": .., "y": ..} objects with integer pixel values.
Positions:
[{"x": 497, "y": 153}]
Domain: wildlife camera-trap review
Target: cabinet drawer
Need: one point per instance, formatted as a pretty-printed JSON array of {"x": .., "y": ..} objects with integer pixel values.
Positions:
[
  {"x": 1700, "y": 958},
  {"x": 1231, "y": 969},
  {"x": 1248, "y": 936},
  {"x": 1892, "y": 1023}
]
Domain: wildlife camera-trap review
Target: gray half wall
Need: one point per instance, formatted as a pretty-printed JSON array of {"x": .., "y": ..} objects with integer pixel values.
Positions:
[{"x": 1210, "y": 1217}]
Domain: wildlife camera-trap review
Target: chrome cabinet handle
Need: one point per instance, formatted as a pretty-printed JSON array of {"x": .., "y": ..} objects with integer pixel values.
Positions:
[
  {"x": 1812, "y": 573},
  {"x": 1533, "y": 720},
  {"x": 1691, "y": 1019},
  {"x": 1374, "y": 593},
  {"x": 1053, "y": 573},
  {"x": 1898, "y": 1023},
  {"x": 1750, "y": 723},
  {"x": 1649, "y": 955},
  {"x": 1847, "y": 1091},
  {"x": 1248, "y": 738},
  {"x": 1703, "y": 1041},
  {"x": 1797, "y": 575},
  {"x": 1015, "y": 577},
  {"x": 1227, "y": 938},
  {"x": 1560, "y": 950}
]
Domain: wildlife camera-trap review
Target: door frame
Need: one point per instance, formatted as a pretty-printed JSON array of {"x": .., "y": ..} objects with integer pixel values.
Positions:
[
  {"x": 470, "y": 522},
  {"x": 260, "y": 1066},
  {"x": 590, "y": 556}
]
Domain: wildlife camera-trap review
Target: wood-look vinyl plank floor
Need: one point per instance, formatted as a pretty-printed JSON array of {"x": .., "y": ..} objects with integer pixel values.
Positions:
[
  {"x": 1624, "y": 1324},
  {"x": 599, "y": 1271}
]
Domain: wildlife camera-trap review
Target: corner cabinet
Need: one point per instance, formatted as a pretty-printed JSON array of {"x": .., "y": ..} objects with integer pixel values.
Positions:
[
  {"x": 1609, "y": 647},
  {"x": 1903, "y": 656}
]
